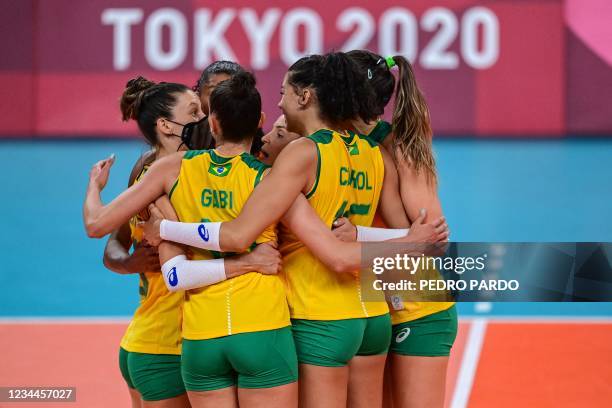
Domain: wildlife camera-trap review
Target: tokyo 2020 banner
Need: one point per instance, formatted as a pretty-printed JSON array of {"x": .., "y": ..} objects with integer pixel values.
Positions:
[{"x": 488, "y": 68}]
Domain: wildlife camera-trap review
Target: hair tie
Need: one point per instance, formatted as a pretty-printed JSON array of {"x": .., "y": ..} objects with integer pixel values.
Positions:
[{"x": 390, "y": 62}]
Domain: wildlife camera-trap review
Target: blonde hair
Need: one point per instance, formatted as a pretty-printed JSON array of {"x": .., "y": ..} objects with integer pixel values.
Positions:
[{"x": 411, "y": 123}]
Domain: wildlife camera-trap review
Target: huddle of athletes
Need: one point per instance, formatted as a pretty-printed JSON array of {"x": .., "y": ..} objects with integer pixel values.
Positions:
[{"x": 258, "y": 303}]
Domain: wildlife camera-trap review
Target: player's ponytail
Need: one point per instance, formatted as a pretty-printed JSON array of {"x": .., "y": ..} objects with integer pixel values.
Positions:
[
  {"x": 411, "y": 122},
  {"x": 146, "y": 101}
]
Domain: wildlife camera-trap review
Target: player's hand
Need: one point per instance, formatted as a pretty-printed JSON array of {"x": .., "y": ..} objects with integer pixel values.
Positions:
[
  {"x": 344, "y": 230},
  {"x": 145, "y": 258},
  {"x": 264, "y": 259},
  {"x": 150, "y": 228},
  {"x": 432, "y": 232},
  {"x": 98, "y": 176}
]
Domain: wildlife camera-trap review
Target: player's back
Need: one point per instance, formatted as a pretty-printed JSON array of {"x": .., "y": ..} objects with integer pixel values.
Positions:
[
  {"x": 214, "y": 188},
  {"x": 313, "y": 291}
]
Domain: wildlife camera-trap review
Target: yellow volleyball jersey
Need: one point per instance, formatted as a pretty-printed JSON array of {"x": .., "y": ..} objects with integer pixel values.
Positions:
[
  {"x": 214, "y": 188},
  {"x": 406, "y": 311},
  {"x": 365, "y": 178},
  {"x": 366, "y": 181},
  {"x": 313, "y": 291},
  {"x": 156, "y": 325}
]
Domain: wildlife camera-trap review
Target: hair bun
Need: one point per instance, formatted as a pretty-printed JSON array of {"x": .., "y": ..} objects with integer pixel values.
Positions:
[{"x": 132, "y": 97}]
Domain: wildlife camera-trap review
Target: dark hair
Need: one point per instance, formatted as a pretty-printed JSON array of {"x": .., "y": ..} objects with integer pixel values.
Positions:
[
  {"x": 257, "y": 142},
  {"x": 217, "y": 67},
  {"x": 145, "y": 101},
  {"x": 411, "y": 122},
  {"x": 340, "y": 86},
  {"x": 236, "y": 104}
]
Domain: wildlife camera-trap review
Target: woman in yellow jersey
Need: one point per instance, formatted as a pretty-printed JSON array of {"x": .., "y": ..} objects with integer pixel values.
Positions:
[
  {"x": 423, "y": 332},
  {"x": 235, "y": 332},
  {"x": 150, "y": 349},
  {"x": 365, "y": 375}
]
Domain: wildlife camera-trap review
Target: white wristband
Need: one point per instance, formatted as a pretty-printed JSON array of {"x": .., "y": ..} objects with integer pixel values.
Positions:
[
  {"x": 204, "y": 235},
  {"x": 372, "y": 234},
  {"x": 182, "y": 274}
]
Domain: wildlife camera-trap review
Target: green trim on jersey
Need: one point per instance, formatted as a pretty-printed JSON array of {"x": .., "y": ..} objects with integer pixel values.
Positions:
[
  {"x": 260, "y": 175},
  {"x": 190, "y": 154},
  {"x": 321, "y": 136},
  {"x": 215, "y": 158},
  {"x": 371, "y": 142},
  {"x": 173, "y": 188},
  {"x": 380, "y": 132},
  {"x": 348, "y": 138},
  {"x": 253, "y": 162},
  {"x": 316, "y": 183}
]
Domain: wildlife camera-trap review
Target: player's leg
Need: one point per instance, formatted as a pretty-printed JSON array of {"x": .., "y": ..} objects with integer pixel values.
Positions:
[
  {"x": 135, "y": 397},
  {"x": 419, "y": 357},
  {"x": 277, "y": 397},
  {"x": 267, "y": 368},
  {"x": 418, "y": 381},
  {"x": 324, "y": 349},
  {"x": 125, "y": 372},
  {"x": 323, "y": 386},
  {"x": 366, "y": 369},
  {"x": 182, "y": 401},
  {"x": 225, "y": 397},
  {"x": 208, "y": 376},
  {"x": 387, "y": 389},
  {"x": 365, "y": 386}
]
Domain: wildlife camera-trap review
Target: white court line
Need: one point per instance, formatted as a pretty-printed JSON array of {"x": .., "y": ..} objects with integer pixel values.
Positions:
[
  {"x": 469, "y": 363},
  {"x": 576, "y": 319}
]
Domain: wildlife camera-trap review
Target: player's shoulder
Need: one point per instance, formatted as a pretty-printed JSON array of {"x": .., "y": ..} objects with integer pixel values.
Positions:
[
  {"x": 144, "y": 161},
  {"x": 253, "y": 162},
  {"x": 321, "y": 136},
  {"x": 192, "y": 154},
  {"x": 367, "y": 140},
  {"x": 297, "y": 155}
]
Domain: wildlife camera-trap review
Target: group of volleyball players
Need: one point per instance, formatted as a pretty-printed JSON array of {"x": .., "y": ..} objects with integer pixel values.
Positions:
[{"x": 224, "y": 324}]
